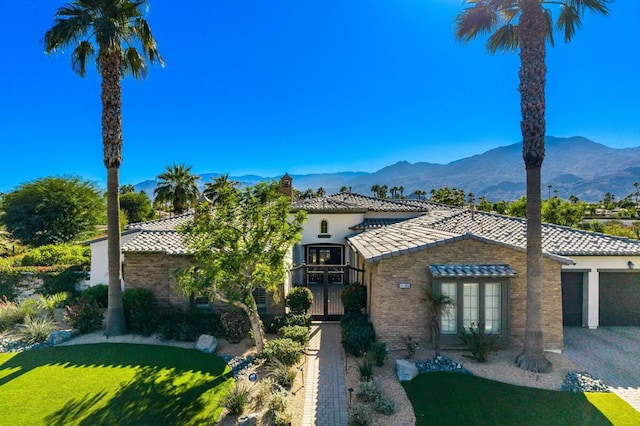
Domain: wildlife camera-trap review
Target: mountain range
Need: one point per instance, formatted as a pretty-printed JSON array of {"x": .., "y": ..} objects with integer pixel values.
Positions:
[{"x": 574, "y": 165}]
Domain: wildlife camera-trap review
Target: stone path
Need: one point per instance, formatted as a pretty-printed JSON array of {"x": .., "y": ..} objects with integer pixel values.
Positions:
[
  {"x": 325, "y": 402},
  {"x": 611, "y": 354}
]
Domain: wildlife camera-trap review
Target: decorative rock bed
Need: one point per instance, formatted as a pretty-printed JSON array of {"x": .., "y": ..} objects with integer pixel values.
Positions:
[
  {"x": 580, "y": 381},
  {"x": 440, "y": 363}
]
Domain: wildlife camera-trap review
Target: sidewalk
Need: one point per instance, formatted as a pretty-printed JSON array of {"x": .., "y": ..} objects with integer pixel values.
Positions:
[{"x": 325, "y": 402}]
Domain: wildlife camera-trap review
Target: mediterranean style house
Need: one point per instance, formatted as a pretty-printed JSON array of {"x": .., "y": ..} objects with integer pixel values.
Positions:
[{"x": 398, "y": 247}]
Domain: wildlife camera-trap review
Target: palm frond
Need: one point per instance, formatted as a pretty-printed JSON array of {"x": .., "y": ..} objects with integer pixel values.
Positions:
[
  {"x": 79, "y": 57},
  {"x": 549, "y": 29},
  {"x": 476, "y": 20},
  {"x": 133, "y": 63},
  {"x": 568, "y": 21},
  {"x": 504, "y": 39},
  {"x": 597, "y": 6}
]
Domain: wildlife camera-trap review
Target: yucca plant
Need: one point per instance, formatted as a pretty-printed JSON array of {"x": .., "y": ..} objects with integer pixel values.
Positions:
[
  {"x": 36, "y": 330},
  {"x": 237, "y": 398}
]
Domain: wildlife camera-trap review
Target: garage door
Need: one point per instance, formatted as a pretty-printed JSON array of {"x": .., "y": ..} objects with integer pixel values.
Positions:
[
  {"x": 620, "y": 298},
  {"x": 572, "y": 298}
]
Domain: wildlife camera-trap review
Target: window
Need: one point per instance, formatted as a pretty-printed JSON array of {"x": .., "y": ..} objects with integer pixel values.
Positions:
[
  {"x": 324, "y": 227},
  {"x": 260, "y": 296},
  {"x": 479, "y": 302}
]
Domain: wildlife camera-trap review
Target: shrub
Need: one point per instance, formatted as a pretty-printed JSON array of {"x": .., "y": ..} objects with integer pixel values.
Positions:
[
  {"x": 299, "y": 300},
  {"x": 283, "y": 374},
  {"x": 36, "y": 330},
  {"x": 384, "y": 405},
  {"x": 410, "y": 346},
  {"x": 286, "y": 351},
  {"x": 188, "y": 326},
  {"x": 235, "y": 324},
  {"x": 354, "y": 297},
  {"x": 236, "y": 398},
  {"x": 138, "y": 308},
  {"x": 266, "y": 387},
  {"x": 57, "y": 254},
  {"x": 85, "y": 316},
  {"x": 369, "y": 391},
  {"x": 365, "y": 368},
  {"x": 50, "y": 303},
  {"x": 357, "y": 336},
  {"x": 10, "y": 314},
  {"x": 97, "y": 293},
  {"x": 282, "y": 418},
  {"x": 378, "y": 352},
  {"x": 29, "y": 308},
  {"x": 63, "y": 281},
  {"x": 278, "y": 402},
  {"x": 296, "y": 333},
  {"x": 275, "y": 324},
  {"x": 480, "y": 345},
  {"x": 359, "y": 415}
]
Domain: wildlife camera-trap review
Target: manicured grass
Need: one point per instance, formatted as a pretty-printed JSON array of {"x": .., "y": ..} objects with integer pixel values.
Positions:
[
  {"x": 112, "y": 384},
  {"x": 458, "y": 399}
]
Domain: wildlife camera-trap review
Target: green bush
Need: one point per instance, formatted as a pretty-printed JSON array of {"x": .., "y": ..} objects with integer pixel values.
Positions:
[
  {"x": 58, "y": 254},
  {"x": 36, "y": 330},
  {"x": 299, "y": 300},
  {"x": 139, "y": 310},
  {"x": 50, "y": 303},
  {"x": 369, "y": 391},
  {"x": 286, "y": 351},
  {"x": 235, "y": 324},
  {"x": 354, "y": 297},
  {"x": 359, "y": 415},
  {"x": 357, "y": 334},
  {"x": 85, "y": 316},
  {"x": 480, "y": 344},
  {"x": 384, "y": 405},
  {"x": 378, "y": 352},
  {"x": 63, "y": 281},
  {"x": 97, "y": 293},
  {"x": 237, "y": 398},
  {"x": 176, "y": 324},
  {"x": 274, "y": 324},
  {"x": 296, "y": 333}
]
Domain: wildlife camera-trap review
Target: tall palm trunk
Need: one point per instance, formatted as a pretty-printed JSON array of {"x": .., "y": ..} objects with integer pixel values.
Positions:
[
  {"x": 531, "y": 35},
  {"x": 110, "y": 62}
]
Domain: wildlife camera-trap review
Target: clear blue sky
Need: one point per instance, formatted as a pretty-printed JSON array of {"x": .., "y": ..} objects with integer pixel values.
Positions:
[{"x": 268, "y": 87}]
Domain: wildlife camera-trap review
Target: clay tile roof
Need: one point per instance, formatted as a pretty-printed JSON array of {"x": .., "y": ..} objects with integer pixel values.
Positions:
[
  {"x": 156, "y": 241},
  {"x": 168, "y": 223},
  {"x": 475, "y": 271},
  {"x": 345, "y": 201},
  {"x": 375, "y": 223}
]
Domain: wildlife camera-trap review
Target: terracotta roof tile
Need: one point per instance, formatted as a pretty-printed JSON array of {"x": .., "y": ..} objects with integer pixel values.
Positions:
[{"x": 476, "y": 271}]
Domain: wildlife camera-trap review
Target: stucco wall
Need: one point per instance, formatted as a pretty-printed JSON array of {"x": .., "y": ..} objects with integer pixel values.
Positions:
[
  {"x": 399, "y": 312},
  {"x": 99, "y": 264}
]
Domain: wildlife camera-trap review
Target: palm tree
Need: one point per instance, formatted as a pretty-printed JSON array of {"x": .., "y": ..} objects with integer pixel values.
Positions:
[
  {"x": 219, "y": 188},
  {"x": 107, "y": 30},
  {"x": 526, "y": 25},
  {"x": 375, "y": 188},
  {"x": 437, "y": 304},
  {"x": 394, "y": 191},
  {"x": 344, "y": 188},
  {"x": 321, "y": 192},
  {"x": 383, "y": 191},
  {"x": 177, "y": 186},
  {"x": 401, "y": 191}
]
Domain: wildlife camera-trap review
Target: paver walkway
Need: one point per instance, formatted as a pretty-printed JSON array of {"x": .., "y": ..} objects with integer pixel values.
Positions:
[
  {"x": 325, "y": 401},
  {"x": 609, "y": 353}
]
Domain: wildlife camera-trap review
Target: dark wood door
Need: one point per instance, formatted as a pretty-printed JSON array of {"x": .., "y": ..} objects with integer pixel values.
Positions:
[
  {"x": 572, "y": 298},
  {"x": 325, "y": 278}
]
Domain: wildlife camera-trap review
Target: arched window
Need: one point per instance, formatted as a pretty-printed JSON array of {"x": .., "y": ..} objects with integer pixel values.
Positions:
[{"x": 324, "y": 227}]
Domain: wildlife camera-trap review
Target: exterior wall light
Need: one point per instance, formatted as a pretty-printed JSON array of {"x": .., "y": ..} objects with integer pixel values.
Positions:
[{"x": 630, "y": 264}]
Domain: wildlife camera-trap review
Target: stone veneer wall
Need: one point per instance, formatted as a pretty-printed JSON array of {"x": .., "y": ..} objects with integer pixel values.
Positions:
[
  {"x": 155, "y": 271},
  {"x": 399, "y": 312}
]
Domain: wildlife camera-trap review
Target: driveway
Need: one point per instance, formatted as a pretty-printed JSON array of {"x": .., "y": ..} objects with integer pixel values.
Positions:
[{"x": 609, "y": 353}]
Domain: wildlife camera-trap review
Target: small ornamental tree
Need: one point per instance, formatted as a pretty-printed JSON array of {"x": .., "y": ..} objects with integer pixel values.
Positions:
[
  {"x": 299, "y": 300},
  {"x": 241, "y": 245}
]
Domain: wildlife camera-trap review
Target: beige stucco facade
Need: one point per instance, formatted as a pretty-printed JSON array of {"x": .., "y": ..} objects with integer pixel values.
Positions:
[{"x": 397, "y": 312}]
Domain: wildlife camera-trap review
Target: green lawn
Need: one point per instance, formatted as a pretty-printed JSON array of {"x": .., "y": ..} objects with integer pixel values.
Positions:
[
  {"x": 111, "y": 384},
  {"x": 458, "y": 399}
]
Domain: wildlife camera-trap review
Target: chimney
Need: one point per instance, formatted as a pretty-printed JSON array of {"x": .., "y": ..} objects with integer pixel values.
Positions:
[{"x": 286, "y": 185}]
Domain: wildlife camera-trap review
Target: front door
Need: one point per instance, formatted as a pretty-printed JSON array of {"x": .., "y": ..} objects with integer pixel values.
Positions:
[{"x": 325, "y": 278}]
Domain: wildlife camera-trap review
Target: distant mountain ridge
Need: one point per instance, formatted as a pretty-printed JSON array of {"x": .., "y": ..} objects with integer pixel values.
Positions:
[{"x": 574, "y": 165}]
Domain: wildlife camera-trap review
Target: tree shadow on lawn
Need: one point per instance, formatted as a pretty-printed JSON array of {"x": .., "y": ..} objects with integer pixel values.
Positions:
[{"x": 157, "y": 394}]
